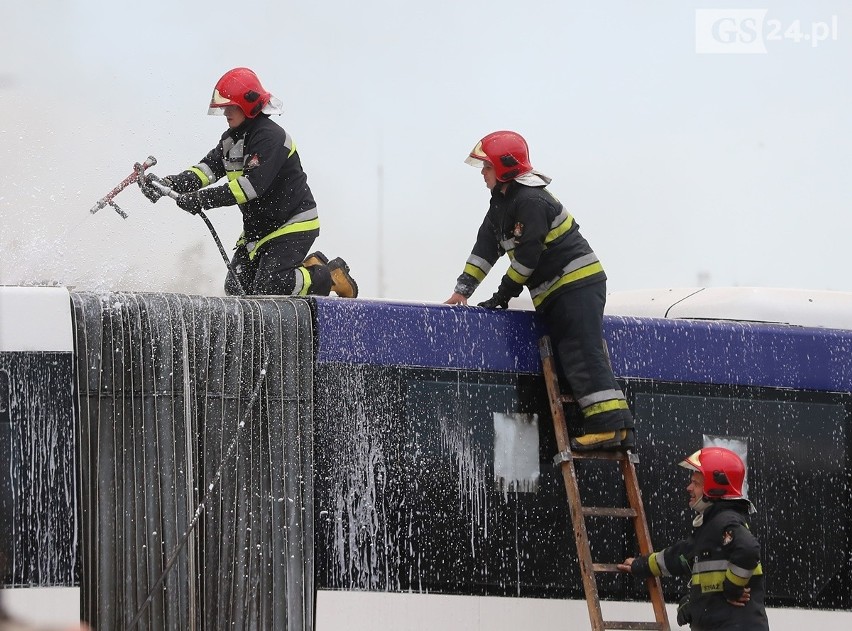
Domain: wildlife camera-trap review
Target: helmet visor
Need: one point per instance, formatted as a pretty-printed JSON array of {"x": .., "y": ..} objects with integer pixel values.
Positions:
[
  {"x": 477, "y": 157},
  {"x": 218, "y": 103},
  {"x": 693, "y": 462}
]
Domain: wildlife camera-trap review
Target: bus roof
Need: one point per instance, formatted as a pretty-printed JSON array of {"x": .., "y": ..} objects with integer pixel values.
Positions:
[{"x": 798, "y": 307}]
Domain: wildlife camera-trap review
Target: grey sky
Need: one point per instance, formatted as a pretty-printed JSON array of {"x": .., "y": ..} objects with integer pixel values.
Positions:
[{"x": 675, "y": 164}]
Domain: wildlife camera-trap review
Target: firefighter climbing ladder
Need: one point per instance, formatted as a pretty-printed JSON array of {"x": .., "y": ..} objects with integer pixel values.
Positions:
[{"x": 565, "y": 458}]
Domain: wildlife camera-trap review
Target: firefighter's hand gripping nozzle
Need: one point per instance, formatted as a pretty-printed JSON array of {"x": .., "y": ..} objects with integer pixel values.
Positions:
[{"x": 138, "y": 171}]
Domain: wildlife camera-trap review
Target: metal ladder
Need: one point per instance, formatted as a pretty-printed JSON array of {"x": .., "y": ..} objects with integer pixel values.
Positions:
[{"x": 565, "y": 459}]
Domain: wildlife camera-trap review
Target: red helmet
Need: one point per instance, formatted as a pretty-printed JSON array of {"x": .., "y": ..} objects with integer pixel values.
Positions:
[
  {"x": 723, "y": 472},
  {"x": 242, "y": 88},
  {"x": 507, "y": 152}
]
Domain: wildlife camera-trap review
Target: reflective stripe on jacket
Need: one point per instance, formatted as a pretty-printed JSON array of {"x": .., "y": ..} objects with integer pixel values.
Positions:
[
  {"x": 546, "y": 251},
  {"x": 265, "y": 178},
  {"x": 722, "y": 554}
]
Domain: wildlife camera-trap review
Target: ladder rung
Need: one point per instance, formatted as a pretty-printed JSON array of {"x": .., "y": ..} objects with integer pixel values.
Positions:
[
  {"x": 615, "y": 456},
  {"x": 595, "y": 511},
  {"x": 605, "y": 567},
  {"x": 631, "y": 625},
  {"x": 606, "y": 455}
]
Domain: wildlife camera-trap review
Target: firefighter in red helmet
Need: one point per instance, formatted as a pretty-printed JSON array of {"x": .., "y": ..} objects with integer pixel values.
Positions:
[
  {"x": 266, "y": 180},
  {"x": 721, "y": 556},
  {"x": 565, "y": 279}
]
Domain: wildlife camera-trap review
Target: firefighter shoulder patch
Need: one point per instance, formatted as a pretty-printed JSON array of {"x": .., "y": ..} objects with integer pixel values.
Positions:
[
  {"x": 518, "y": 231},
  {"x": 727, "y": 537},
  {"x": 253, "y": 162}
]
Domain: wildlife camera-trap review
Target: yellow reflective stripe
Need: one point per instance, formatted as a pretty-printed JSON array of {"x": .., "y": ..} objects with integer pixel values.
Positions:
[
  {"x": 653, "y": 565},
  {"x": 201, "y": 174},
  {"x": 583, "y": 272},
  {"x": 515, "y": 276},
  {"x": 737, "y": 580},
  {"x": 600, "y": 396},
  {"x": 237, "y": 192},
  {"x": 709, "y": 581},
  {"x": 306, "y": 281},
  {"x": 233, "y": 175},
  {"x": 293, "y": 150},
  {"x": 301, "y": 226},
  {"x": 606, "y": 406},
  {"x": 559, "y": 230},
  {"x": 474, "y": 271},
  {"x": 742, "y": 581}
]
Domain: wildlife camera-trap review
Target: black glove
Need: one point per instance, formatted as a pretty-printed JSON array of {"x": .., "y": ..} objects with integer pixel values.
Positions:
[
  {"x": 148, "y": 189},
  {"x": 190, "y": 202},
  {"x": 497, "y": 301}
]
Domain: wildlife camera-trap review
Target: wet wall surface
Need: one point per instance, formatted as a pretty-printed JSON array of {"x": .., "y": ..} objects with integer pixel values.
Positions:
[
  {"x": 392, "y": 447},
  {"x": 38, "y": 517},
  {"x": 409, "y": 496}
]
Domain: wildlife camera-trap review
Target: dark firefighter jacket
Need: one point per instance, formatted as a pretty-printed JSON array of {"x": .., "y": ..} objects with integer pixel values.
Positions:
[
  {"x": 723, "y": 558},
  {"x": 265, "y": 178},
  {"x": 546, "y": 250}
]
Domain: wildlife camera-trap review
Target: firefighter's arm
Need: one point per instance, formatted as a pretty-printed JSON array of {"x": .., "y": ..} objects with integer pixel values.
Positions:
[
  {"x": 191, "y": 183},
  {"x": 743, "y": 563},
  {"x": 669, "y": 562},
  {"x": 208, "y": 170},
  {"x": 485, "y": 253}
]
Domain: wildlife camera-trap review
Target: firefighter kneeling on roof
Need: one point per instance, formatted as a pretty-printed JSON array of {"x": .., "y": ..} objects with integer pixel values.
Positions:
[
  {"x": 564, "y": 276},
  {"x": 266, "y": 180},
  {"x": 722, "y": 556}
]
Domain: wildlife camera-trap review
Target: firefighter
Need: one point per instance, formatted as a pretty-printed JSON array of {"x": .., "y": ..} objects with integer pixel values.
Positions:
[
  {"x": 266, "y": 181},
  {"x": 722, "y": 555},
  {"x": 565, "y": 279}
]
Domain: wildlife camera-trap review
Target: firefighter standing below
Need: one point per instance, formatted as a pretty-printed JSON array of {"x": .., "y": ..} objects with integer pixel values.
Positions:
[
  {"x": 721, "y": 555},
  {"x": 266, "y": 180},
  {"x": 566, "y": 282}
]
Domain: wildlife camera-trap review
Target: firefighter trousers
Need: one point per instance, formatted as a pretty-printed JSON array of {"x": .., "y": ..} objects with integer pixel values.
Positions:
[
  {"x": 574, "y": 319},
  {"x": 277, "y": 269}
]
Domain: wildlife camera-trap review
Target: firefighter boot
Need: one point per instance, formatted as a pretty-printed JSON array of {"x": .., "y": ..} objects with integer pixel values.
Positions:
[
  {"x": 601, "y": 440},
  {"x": 342, "y": 283}
]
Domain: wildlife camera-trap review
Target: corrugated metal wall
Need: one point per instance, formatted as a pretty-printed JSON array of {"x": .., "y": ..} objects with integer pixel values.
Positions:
[{"x": 164, "y": 382}]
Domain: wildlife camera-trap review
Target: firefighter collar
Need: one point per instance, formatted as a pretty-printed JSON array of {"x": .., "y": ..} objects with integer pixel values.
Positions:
[{"x": 699, "y": 507}]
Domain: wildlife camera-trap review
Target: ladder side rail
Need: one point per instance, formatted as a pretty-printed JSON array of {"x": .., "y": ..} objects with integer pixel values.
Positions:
[
  {"x": 572, "y": 488},
  {"x": 643, "y": 535},
  {"x": 578, "y": 512}
]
